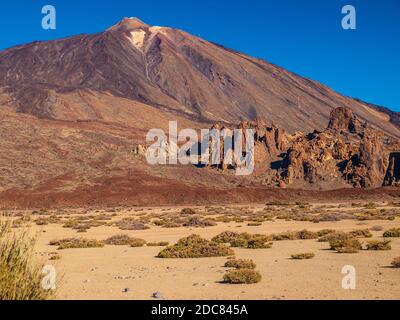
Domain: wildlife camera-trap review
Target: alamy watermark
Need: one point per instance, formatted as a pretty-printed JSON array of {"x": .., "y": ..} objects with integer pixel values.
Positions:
[{"x": 49, "y": 21}]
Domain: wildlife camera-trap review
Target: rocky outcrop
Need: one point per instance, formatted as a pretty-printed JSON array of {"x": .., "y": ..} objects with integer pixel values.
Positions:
[
  {"x": 347, "y": 152},
  {"x": 343, "y": 119}
]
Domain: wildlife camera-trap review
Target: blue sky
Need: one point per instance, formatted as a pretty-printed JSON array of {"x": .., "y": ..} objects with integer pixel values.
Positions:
[{"x": 305, "y": 37}]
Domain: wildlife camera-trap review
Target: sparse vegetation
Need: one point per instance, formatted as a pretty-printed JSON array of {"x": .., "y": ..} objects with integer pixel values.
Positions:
[
  {"x": 302, "y": 256},
  {"x": 195, "y": 247},
  {"x": 242, "y": 276},
  {"x": 76, "y": 243}
]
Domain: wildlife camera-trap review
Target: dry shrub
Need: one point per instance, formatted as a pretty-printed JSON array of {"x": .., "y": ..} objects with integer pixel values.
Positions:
[
  {"x": 158, "y": 244},
  {"x": 252, "y": 241},
  {"x": 20, "y": 273},
  {"x": 332, "y": 236},
  {"x": 119, "y": 240},
  {"x": 188, "y": 211},
  {"x": 240, "y": 264},
  {"x": 302, "y": 256},
  {"x": 361, "y": 233},
  {"x": 305, "y": 235},
  {"x": 136, "y": 243},
  {"x": 242, "y": 276},
  {"x": 392, "y": 233},
  {"x": 195, "y": 247},
  {"x": 370, "y": 205},
  {"x": 289, "y": 235},
  {"x": 378, "y": 245},
  {"x": 54, "y": 256},
  {"x": 198, "y": 222},
  {"x": 396, "y": 262},
  {"x": 131, "y": 224},
  {"x": 254, "y": 224},
  {"x": 226, "y": 237},
  {"x": 75, "y": 243},
  {"x": 345, "y": 244}
]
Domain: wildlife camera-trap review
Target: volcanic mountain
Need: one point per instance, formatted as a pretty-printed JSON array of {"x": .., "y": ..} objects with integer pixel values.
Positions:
[{"x": 71, "y": 111}]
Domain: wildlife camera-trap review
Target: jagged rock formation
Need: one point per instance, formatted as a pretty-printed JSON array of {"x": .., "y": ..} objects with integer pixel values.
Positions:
[
  {"x": 347, "y": 153},
  {"x": 269, "y": 143}
]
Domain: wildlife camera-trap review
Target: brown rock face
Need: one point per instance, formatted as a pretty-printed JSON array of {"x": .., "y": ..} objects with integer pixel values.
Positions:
[
  {"x": 369, "y": 165},
  {"x": 392, "y": 177}
]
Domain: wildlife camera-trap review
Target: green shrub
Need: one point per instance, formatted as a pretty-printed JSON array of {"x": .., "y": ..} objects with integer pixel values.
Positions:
[
  {"x": 379, "y": 245},
  {"x": 242, "y": 276},
  {"x": 392, "y": 233},
  {"x": 240, "y": 264},
  {"x": 302, "y": 256},
  {"x": 195, "y": 247},
  {"x": 20, "y": 273}
]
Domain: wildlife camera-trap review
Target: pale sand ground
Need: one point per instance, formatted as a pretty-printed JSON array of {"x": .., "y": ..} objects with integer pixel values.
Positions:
[{"x": 103, "y": 273}]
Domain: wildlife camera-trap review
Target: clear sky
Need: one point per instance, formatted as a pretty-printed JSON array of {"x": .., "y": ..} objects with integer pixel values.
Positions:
[{"x": 303, "y": 36}]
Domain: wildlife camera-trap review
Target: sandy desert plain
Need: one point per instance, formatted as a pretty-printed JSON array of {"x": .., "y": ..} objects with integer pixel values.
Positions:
[{"x": 101, "y": 270}]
